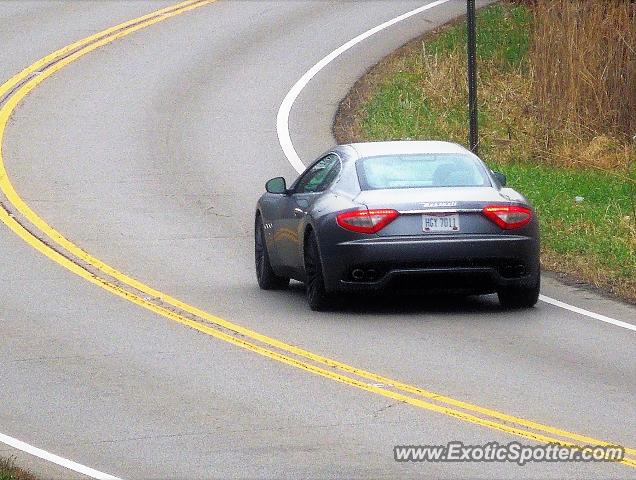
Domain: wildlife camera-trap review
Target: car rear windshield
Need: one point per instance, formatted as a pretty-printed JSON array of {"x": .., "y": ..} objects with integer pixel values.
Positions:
[{"x": 421, "y": 170}]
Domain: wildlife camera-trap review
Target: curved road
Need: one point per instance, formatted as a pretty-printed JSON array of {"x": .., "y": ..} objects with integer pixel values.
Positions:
[{"x": 150, "y": 153}]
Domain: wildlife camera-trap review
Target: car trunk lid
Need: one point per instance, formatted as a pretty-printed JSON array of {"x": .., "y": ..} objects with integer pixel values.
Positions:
[{"x": 435, "y": 211}]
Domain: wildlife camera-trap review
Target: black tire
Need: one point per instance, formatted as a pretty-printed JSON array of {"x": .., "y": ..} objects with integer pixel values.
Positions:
[
  {"x": 265, "y": 276},
  {"x": 317, "y": 297},
  {"x": 519, "y": 297}
]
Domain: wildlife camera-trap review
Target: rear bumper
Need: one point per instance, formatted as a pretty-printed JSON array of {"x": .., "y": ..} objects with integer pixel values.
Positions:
[{"x": 470, "y": 263}]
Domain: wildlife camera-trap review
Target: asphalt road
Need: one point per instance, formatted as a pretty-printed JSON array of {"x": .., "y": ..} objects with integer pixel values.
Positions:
[{"x": 150, "y": 153}]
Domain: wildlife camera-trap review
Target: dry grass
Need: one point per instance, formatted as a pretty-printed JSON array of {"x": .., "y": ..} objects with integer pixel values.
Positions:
[
  {"x": 583, "y": 74},
  {"x": 583, "y": 59},
  {"x": 8, "y": 471}
]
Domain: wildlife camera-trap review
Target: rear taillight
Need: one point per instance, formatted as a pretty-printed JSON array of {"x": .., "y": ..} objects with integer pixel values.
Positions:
[
  {"x": 366, "y": 221},
  {"x": 508, "y": 217}
]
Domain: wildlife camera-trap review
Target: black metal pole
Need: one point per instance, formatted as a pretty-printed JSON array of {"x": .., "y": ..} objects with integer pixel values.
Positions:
[{"x": 472, "y": 77}]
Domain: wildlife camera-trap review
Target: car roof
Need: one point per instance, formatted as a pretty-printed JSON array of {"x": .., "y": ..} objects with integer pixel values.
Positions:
[{"x": 405, "y": 147}]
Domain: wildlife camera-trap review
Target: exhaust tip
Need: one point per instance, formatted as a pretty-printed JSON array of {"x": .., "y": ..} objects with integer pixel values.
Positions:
[{"x": 357, "y": 274}]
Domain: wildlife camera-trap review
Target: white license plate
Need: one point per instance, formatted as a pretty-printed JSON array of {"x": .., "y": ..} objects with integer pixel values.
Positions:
[{"x": 440, "y": 223}]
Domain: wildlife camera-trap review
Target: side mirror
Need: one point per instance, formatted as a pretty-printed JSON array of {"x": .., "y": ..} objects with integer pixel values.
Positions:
[
  {"x": 276, "y": 185},
  {"x": 500, "y": 177}
]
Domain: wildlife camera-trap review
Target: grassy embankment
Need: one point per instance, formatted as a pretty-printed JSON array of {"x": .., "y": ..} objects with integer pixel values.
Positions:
[
  {"x": 557, "y": 101},
  {"x": 8, "y": 471}
]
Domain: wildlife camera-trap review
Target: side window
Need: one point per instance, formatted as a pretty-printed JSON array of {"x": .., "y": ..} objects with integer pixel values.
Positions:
[{"x": 320, "y": 176}]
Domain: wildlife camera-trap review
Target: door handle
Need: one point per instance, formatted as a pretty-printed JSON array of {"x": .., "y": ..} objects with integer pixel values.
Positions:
[{"x": 298, "y": 212}]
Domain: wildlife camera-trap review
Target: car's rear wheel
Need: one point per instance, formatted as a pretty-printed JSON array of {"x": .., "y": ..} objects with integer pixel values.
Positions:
[
  {"x": 520, "y": 297},
  {"x": 265, "y": 275},
  {"x": 317, "y": 296}
]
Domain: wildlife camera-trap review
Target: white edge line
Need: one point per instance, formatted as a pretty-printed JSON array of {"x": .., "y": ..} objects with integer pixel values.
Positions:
[
  {"x": 587, "y": 313},
  {"x": 63, "y": 462},
  {"x": 284, "y": 137},
  {"x": 282, "y": 119}
]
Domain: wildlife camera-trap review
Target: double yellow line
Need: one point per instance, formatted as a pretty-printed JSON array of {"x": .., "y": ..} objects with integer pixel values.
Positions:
[{"x": 19, "y": 217}]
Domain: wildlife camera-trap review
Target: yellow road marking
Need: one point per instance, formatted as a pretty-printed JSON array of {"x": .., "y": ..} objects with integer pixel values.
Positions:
[{"x": 24, "y": 82}]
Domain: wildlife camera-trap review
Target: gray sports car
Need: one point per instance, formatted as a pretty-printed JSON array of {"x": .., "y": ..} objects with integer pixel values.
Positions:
[{"x": 399, "y": 216}]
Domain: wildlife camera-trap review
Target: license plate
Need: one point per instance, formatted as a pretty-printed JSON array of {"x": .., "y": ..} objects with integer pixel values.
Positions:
[{"x": 440, "y": 223}]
